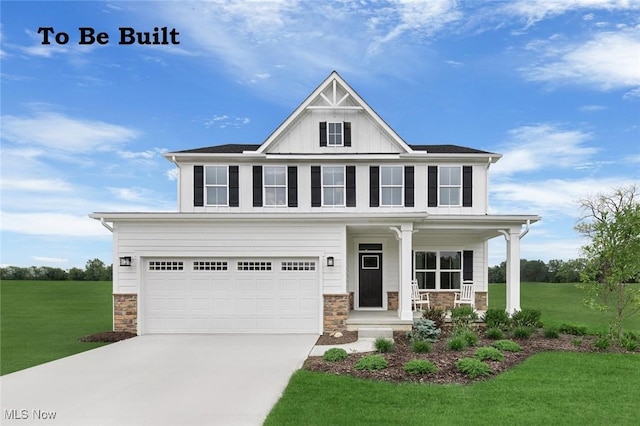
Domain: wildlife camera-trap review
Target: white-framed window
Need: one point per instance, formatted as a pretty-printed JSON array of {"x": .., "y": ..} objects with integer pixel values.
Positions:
[
  {"x": 391, "y": 185},
  {"x": 208, "y": 265},
  {"x": 438, "y": 270},
  {"x": 298, "y": 266},
  {"x": 333, "y": 185},
  {"x": 334, "y": 134},
  {"x": 275, "y": 186},
  {"x": 254, "y": 266},
  {"x": 450, "y": 185},
  {"x": 166, "y": 265},
  {"x": 217, "y": 185}
]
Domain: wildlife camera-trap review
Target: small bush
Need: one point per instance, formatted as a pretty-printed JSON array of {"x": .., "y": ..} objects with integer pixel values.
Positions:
[
  {"x": 507, "y": 345},
  {"x": 494, "y": 334},
  {"x": 436, "y": 315},
  {"x": 576, "y": 342},
  {"x": 497, "y": 318},
  {"x": 522, "y": 332},
  {"x": 419, "y": 366},
  {"x": 462, "y": 317},
  {"x": 488, "y": 352},
  {"x": 456, "y": 343},
  {"x": 424, "y": 329},
  {"x": 574, "y": 330},
  {"x": 335, "y": 354},
  {"x": 421, "y": 346},
  {"x": 629, "y": 344},
  {"x": 631, "y": 336},
  {"x": 384, "y": 345},
  {"x": 527, "y": 318},
  {"x": 551, "y": 333},
  {"x": 473, "y": 367},
  {"x": 469, "y": 336},
  {"x": 602, "y": 343},
  {"x": 371, "y": 363}
]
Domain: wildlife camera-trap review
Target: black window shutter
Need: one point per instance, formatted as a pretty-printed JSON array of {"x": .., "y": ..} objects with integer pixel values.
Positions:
[
  {"x": 351, "y": 186},
  {"x": 323, "y": 133},
  {"x": 432, "y": 186},
  {"x": 374, "y": 186},
  {"x": 292, "y": 188},
  {"x": 316, "y": 187},
  {"x": 198, "y": 186},
  {"x": 467, "y": 186},
  {"x": 257, "y": 186},
  {"x": 467, "y": 265},
  {"x": 408, "y": 186},
  {"x": 234, "y": 192},
  {"x": 347, "y": 133}
]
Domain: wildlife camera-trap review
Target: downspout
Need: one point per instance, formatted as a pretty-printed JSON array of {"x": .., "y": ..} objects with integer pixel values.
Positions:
[
  {"x": 105, "y": 225},
  {"x": 173, "y": 160},
  {"x": 486, "y": 183},
  {"x": 526, "y": 230}
]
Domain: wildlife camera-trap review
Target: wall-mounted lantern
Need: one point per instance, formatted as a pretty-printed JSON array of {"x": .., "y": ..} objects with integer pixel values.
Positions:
[
  {"x": 330, "y": 261},
  {"x": 125, "y": 261}
]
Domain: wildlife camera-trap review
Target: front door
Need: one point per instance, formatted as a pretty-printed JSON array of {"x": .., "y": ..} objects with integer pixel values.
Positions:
[{"x": 370, "y": 279}]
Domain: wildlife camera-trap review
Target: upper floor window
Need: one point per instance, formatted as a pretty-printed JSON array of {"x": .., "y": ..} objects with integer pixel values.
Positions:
[
  {"x": 438, "y": 270},
  {"x": 217, "y": 185},
  {"x": 333, "y": 186},
  {"x": 275, "y": 186},
  {"x": 391, "y": 185},
  {"x": 450, "y": 186},
  {"x": 334, "y": 134}
]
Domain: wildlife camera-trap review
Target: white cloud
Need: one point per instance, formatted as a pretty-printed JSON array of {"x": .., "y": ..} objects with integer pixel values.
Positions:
[
  {"x": 608, "y": 61},
  {"x": 172, "y": 174},
  {"x": 51, "y": 224},
  {"x": 224, "y": 121},
  {"x": 45, "y": 259},
  {"x": 592, "y": 108},
  {"x": 537, "y": 10},
  {"x": 36, "y": 185},
  {"x": 530, "y": 148},
  {"x": 60, "y": 132},
  {"x": 129, "y": 194}
]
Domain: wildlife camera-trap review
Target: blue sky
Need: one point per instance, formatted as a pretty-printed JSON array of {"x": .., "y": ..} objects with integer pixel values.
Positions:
[{"x": 552, "y": 85}]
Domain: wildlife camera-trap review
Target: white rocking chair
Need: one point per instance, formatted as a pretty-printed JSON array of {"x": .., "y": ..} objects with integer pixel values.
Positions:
[
  {"x": 417, "y": 298},
  {"x": 466, "y": 296}
]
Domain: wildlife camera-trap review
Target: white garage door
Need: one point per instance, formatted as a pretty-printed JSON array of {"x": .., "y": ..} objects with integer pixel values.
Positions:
[{"x": 231, "y": 296}]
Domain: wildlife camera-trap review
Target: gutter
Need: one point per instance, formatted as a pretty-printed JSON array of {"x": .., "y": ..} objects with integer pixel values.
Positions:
[
  {"x": 105, "y": 225},
  {"x": 173, "y": 160}
]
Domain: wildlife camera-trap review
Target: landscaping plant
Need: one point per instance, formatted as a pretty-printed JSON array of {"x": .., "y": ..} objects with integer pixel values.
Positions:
[
  {"x": 425, "y": 329},
  {"x": 497, "y": 318},
  {"x": 494, "y": 334},
  {"x": 335, "y": 354},
  {"x": 470, "y": 337},
  {"x": 507, "y": 345},
  {"x": 488, "y": 352},
  {"x": 383, "y": 345},
  {"x": 420, "y": 346},
  {"x": 436, "y": 315},
  {"x": 371, "y": 363},
  {"x": 522, "y": 332},
  {"x": 419, "y": 366},
  {"x": 456, "y": 343},
  {"x": 462, "y": 317},
  {"x": 575, "y": 330},
  {"x": 527, "y": 318},
  {"x": 473, "y": 367},
  {"x": 551, "y": 333}
]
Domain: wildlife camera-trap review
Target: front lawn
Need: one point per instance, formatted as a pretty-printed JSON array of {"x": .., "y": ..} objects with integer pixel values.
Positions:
[
  {"x": 548, "y": 388},
  {"x": 41, "y": 321}
]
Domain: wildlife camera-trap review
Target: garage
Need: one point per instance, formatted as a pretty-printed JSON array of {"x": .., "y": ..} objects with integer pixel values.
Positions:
[{"x": 219, "y": 295}]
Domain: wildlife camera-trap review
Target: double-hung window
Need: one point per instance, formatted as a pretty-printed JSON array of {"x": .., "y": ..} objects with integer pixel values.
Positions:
[
  {"x": 438, "y": 270},
  {"x": 217, "y": 185},
  {"x": 391, "y": 185},
  {"x": 333, "y": 186},
  {"x": 275, "y": 186},
  {"x": 450, "y": 186},
  {"x": 334, "y": 134}
]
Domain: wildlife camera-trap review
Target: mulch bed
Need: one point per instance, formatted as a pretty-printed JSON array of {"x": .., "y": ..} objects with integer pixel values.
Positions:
[
  {"x": 446, "y": 359},
  {"x": 108, "y": 337}
]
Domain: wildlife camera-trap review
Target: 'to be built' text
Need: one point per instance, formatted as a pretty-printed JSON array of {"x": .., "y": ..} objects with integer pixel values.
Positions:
[{"x": 128, "y": 35}]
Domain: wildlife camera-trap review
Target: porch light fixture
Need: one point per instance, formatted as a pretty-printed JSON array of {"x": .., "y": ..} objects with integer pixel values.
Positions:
[
  {"x": 330, "y": 261},
  {"x": 125, "y": 261}
]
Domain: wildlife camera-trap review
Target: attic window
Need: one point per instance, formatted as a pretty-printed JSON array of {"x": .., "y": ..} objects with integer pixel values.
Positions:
[{"x": 334, "y": 134}]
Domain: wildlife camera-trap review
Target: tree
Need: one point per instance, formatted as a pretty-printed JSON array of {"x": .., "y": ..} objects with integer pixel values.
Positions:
[
  {"x": 96, "y": 270},
  {"x": 612, "y": 224}
]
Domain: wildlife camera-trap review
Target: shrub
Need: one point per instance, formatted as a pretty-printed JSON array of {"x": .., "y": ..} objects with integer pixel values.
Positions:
[
  {"x": 629, "y": 344},
  {"x": 497, "y": 318},
  {"x": 631, "y": 336},
  {"x": 384, "y": 345},
  {"x": 602, "y": 343},
  {"x": 522, "y": 332},
  {"x": 494, "y": 334},
  {"x": 371, "y": 363},
  {"x": 436, "y": 315},
  {"x": 576, "y": 342},
  {"x": 335, "y": 354},
  {"x": 574, "y": 330},
  {"x": 507, "y": 345},
  {"x": 551, "y": 333},
  {"x": 462, "y": 317},
  {"x": 473, "y": 367},
  {"x": 421, "y": 346},
  {"x": 419, "y": 366},
  {"x": 456, "y": 343},
  {"x": 527, "y": 318},
  {"x": 424, "y": 329},
  {"x": 469, "y": 336},
  {"x": 488, "y": 352}
]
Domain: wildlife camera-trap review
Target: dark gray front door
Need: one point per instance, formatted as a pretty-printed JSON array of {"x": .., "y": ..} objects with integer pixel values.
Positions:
[{"x": 370, "y": 277}]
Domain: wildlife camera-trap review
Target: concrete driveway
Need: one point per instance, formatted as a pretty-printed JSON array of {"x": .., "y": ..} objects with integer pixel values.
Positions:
[{"x": 158, "y": 380}]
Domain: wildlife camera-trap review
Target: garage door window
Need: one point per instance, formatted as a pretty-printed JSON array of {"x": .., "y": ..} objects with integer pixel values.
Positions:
[
  {"x": 209, "y": 266},
  {"x": 298, "y": 266},
  {"x": 166, "y": 265},
  {"x": 254, "y": 266}
]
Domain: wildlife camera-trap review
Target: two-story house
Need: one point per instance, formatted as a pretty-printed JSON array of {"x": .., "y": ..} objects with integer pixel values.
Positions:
[{"x": 332, "y": 214}]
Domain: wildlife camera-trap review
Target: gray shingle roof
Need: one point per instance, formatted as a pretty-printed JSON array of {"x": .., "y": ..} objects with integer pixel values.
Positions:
[{"x": 240, "y": 148}]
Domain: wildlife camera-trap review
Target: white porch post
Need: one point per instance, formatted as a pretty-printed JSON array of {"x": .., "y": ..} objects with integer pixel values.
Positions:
[
  {"x": 513, "y": 270},
  {"x": 404, "y": 296}
]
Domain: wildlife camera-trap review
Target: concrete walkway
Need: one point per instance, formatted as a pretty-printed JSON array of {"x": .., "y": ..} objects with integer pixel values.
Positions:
[{"x": 158, "y": 380}]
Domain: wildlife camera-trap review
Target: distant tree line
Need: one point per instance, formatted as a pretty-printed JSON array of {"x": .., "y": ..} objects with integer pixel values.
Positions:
[
  {"x": 556, "y": 271},
  {"x": 95, "y": 270}
]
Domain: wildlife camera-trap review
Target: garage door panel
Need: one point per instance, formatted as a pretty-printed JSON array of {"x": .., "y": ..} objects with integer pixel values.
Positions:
[{"x": 231, "y": 295}]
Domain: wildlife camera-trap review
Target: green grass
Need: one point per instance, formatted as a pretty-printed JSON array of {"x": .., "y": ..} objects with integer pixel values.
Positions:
[
  {"x": 559, "y": 303},
  {"x": 41, "y": 321},
  {"x": 548, "y": 388}
]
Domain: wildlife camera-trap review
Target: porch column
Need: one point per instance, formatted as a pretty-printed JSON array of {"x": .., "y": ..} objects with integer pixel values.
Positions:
[
  {"x": 404, "y": 296},
  {"x": 513, "y": 269}
]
